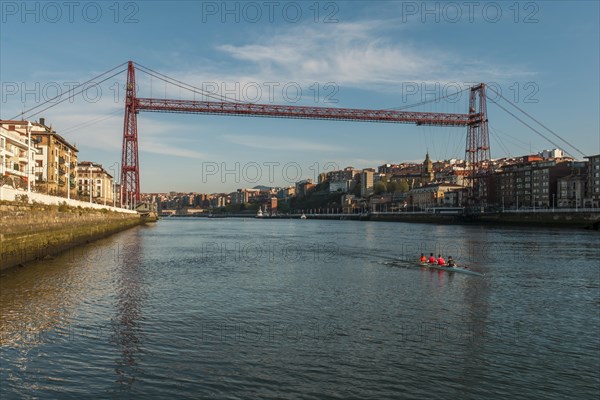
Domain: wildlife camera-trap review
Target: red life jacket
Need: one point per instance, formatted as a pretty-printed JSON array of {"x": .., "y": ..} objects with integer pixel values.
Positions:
[
  {"x": 441, "y": 261},
  {"x": 432, "y": 260}
]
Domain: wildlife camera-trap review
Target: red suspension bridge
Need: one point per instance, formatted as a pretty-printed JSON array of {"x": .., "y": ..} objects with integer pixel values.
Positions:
[{"x": 477, "y": 151}]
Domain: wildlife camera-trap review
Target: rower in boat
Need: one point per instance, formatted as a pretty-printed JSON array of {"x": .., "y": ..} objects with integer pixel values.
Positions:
[
  {"x": 432, "y": 259},
  {"x": 451, "y": 262},
  {"x": 440, "y": 261},
  {"x": 423, "y": 259}
]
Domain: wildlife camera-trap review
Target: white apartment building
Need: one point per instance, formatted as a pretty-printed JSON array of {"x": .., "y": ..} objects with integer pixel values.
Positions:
[
  {"x": 94, "y": 184},
  {"x": 16, "y": 154}
]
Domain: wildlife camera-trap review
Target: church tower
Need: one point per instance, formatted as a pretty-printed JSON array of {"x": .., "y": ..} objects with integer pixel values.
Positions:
[{"x": 427, "y": 170}]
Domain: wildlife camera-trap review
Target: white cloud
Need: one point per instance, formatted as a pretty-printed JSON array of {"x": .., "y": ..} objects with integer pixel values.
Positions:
[
  {"x": 158, "y": 138},
  {"x": 359, "y": 55},
  {"x": 376, "y": 55},
  {"x": 165, "y": 149}
]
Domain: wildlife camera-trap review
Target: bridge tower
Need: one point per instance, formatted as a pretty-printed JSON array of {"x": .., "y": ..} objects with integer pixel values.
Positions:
[
  {"x": 130, "y": 170},
  {"x": 477, "y": 150}
]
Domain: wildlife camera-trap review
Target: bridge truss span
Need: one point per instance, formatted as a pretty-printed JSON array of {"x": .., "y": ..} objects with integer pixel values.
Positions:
[
  {"x": 477, "y": 146},
  {"x": 304, "y": 112}
]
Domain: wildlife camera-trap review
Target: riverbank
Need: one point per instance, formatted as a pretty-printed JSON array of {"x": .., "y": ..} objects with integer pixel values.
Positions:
[
  {"x": 577, "y": 220},
  {"x": 33, "y": 231}
]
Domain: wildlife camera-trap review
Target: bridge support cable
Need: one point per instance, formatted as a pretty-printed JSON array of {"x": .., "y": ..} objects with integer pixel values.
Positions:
[
  {"x": 183, "y": 85},
  {"x": 536, "y": 121},
  {"x": 529, "y": 126},
  {"x": 72, "y": 93}
]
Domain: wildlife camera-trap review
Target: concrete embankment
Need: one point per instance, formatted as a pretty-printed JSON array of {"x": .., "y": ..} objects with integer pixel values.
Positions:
[
  {"x": 32, "y": 232},
  {"x": 588, "y": 220},
  {"x": 559, "y": 219}
]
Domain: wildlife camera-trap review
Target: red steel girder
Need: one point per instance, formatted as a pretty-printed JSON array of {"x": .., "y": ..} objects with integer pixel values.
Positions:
[{"x": 303, "y": 112}]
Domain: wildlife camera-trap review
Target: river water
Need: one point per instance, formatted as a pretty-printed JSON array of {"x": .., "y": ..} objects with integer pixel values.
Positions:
[{"x": 247, "y": 308}]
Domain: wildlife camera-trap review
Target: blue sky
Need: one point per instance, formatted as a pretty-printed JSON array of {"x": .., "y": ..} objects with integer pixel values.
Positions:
[{"x": 542, "y": 55}]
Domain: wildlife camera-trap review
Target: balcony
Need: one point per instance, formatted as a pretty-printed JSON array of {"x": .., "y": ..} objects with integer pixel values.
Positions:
[{"x": 16, "y": 172}]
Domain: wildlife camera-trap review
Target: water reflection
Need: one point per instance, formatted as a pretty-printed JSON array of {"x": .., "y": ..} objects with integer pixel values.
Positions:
[
  {"x": 34, "y": 300},
  {"x": 127, "y": 323}
]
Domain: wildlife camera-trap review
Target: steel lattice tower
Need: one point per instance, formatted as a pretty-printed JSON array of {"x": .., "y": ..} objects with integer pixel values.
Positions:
[
  {"x": 130, "y": 169},
  {"x": 477, "y": 150}
]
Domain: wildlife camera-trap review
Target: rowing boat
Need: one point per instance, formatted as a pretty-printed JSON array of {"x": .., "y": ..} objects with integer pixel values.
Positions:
[
  {"x": 461, "y": 270},
  {"x": 450, "y": 269}
]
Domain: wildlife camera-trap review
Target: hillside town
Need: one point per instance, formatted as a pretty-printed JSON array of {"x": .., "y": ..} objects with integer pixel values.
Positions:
[{"x": 37, "y": 158}]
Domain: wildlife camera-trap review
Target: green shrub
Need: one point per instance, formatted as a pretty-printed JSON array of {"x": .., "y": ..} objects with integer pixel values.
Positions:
[
  {"x": 22, "y": 199},
  {"x": 63, "y": 207}
]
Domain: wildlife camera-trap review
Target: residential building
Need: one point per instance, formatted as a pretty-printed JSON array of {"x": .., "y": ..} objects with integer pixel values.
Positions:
[
  {"x": 380, "y": 203},
  {"x": 431, "y": 195},
  {"x": 570, "y": 191},
  {"x": 272, "y": 205},
  {"x": 55, "y": 159},
  {"x": 287, "y": 192},
  {"x": 366, "y": 183},
  {"x": 529, "y": 183},
  {"x": 243, "y": 196},
  {"x": 304, "y": 187},
  {"x": 94, "y": 184},
  {"x": 388, "y": 168},
  {"x": 340, "y": 186},
  {"x": 346, "y": 174},
  {"x": 219, "y": 200},
  {"x": 551, "y": 154},
  {"x": 455, "y": 197},
  {"x": 16, "y": 155},
  {"x": 592, "y": 196}
]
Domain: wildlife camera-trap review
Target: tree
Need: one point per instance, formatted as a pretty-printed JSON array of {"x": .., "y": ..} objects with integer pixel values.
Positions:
[
  {"x": 393, "y": 186},
  {"x": 380, "y": 187},
  {"x": 403, "y": 186}
]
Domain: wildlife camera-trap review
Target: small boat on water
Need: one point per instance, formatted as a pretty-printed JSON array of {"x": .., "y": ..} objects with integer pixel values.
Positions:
[{"x": 448, "y": 268}]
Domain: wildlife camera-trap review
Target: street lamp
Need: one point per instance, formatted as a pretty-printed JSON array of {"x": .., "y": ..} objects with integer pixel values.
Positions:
[
  {"x": 115, "y": 169},
  {"x": 69, "y": 176},
  {"x": 29, "y": 156},
  {"x": 90, "y": 182}
]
